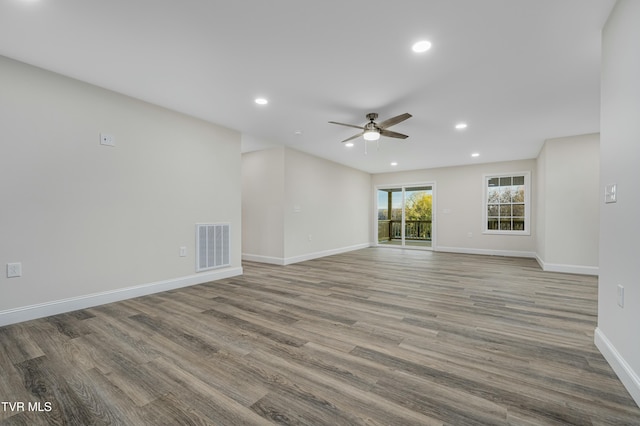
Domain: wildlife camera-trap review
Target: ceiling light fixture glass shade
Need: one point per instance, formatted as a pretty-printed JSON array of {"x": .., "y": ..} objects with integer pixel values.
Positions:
[{"x": 371, "y": 135}]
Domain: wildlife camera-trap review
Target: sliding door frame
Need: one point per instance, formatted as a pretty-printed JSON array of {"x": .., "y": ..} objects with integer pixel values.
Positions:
[{"x": 404, "y": 187}]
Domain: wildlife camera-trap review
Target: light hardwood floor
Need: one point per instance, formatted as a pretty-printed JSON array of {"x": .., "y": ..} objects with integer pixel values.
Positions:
[{"x": 376, "y": 336}]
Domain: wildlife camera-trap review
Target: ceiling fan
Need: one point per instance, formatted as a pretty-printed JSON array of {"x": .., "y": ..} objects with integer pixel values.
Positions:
[{"x": 372, "y": 130}]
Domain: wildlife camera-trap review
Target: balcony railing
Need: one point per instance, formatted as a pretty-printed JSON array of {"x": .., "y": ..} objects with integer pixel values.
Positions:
[{"x": 389, "y": 230}]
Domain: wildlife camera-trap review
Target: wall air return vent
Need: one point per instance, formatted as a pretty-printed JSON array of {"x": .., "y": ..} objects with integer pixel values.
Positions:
[{"x": 212, "y": 246}]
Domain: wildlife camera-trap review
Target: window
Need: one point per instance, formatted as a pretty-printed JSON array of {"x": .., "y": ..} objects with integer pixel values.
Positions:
[{"x": 506, "y": 207}]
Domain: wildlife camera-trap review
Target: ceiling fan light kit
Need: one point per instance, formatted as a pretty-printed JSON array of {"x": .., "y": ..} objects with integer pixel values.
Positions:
[
  {"x": 371, "y": 135},
  {"x": 372, "y": 130}
]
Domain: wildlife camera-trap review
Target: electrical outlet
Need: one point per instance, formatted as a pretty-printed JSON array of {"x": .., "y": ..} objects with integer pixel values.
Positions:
[
  {"x": 310, "y": 237},
  {"x": 14, "y": 270},
  {"x": 620, "y": 296},
  {"x": 106, "y": 139}
]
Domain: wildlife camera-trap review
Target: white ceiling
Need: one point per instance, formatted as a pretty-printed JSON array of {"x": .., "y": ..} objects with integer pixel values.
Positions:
[{"x": 517, "y": 71}]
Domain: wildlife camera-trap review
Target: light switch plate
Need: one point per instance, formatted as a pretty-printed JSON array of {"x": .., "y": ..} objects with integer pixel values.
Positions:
[
  {"x": 610, "y": 193},
  {"x": 620, "y": 296}
]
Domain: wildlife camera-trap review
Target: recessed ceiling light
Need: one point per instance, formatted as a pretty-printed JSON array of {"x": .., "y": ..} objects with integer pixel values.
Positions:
[
  {"x": 261, "y": 101},
  {"x": 461, "y": 126},
  {"x": 475, "y": 154},
  {"x": 298, "y": 132},
  {"x": 348, "y": 144},
  {"x": 421, "y": 46},
  {"x": 394, "y": 164}
]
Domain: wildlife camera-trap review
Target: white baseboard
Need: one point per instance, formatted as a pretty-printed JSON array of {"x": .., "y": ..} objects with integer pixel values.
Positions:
[
  {"x": 549, "y": 267},
  {"x": 324, "y": 253},
  {"x": 301, "y": 258},
  {"x": 486, "y": 252},
  {"x": 55, "y": 307},
  {"x": 568, "y": 269},
  {"x": 263, "y": 259},
  {"x": 623, "y": 370}
]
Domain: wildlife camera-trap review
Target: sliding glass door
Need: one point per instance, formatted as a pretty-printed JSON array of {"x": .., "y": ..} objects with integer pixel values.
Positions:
[
  {"x": 390, "y": 216},
  {"x": 405, "y": 216}
]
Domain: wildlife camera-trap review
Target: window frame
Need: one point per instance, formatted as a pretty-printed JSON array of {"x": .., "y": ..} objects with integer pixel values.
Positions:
[{"x": 527, "y": 203}]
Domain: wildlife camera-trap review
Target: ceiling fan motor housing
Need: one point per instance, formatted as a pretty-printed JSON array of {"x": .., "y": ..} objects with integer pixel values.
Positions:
[{"x": 370, "y": 127}]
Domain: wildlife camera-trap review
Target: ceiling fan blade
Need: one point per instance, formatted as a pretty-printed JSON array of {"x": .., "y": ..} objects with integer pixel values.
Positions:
[
  {"x": 390, "y": 134},
  {"x": 394, "y": 120},
  {"x": 353, "y": 137},
  {"x": 348, "y": 125}
]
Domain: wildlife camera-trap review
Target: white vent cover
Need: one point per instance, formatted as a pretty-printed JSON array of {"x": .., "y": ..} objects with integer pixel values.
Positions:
[{"x": 212, "y": 246}]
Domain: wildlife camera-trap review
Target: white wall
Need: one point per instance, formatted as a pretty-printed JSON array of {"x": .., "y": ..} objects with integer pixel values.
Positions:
[
  {"x": 569, "y": 209},
  {"x": 618, "y": 332},
  {"x": 88, "y": 222},
  {"x": 297, "y": 206},
  {"x": 263, "y": 205},
  {"x": 327, "y": 207},
  {"x": 459, "y": 207}
]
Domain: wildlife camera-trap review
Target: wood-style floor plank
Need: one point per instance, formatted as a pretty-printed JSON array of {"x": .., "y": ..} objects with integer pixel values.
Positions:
[{"x": 372, "y": 337}]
